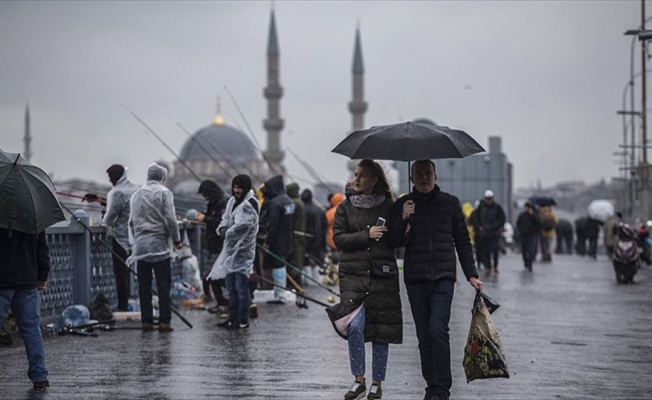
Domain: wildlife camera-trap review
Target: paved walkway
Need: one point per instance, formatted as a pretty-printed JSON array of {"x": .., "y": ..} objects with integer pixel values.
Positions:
[{"x": 569, "y": 331}]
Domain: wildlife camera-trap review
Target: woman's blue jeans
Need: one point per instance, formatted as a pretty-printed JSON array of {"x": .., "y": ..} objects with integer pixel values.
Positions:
[
  {"x": 237, "y": 285},
  {"x": 380, "y": 351},
  {"x": 24, "y": 304}
]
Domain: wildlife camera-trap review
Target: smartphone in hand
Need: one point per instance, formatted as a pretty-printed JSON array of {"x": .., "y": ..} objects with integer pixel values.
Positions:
[{"x": 381, "y": 221}]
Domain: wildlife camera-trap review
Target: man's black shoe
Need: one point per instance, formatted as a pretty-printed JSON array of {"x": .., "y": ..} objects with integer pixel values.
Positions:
[
  {"x": 227, "y": 324},
  {"x": 41, "y": 384}
]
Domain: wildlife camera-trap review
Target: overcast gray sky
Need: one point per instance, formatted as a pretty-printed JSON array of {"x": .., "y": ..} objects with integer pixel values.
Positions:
[{"x": 546, "y": 76}]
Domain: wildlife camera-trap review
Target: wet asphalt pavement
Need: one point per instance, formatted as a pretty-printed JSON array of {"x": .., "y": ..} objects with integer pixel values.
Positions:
[{"x": 569, "y": 332}]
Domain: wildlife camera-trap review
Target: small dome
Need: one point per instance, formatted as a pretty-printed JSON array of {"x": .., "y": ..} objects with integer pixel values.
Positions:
[{"x": 222, "y": 142}]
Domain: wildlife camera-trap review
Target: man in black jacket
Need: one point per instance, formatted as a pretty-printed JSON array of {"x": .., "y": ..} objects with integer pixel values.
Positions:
[
  {"x": 24, "y": 269},
  {"x": 212, "y": 242},
  {"x": 316, "y": 226},
  {"x": 277, "y": 218},
  {"x": 490, "y": 219},
  {"x": 431, "y": 225}
]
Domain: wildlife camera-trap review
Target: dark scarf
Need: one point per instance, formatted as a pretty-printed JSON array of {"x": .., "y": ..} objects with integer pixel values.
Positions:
[{"x": 367, "y": 201}]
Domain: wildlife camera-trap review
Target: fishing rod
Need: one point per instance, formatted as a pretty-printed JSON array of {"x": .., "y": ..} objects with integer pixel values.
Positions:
[
  {"x": 251, "y": 132},
  {"x": 297, "y": 269},
  {"x": 296, "y": 293},
  {"x": 89, "y": 197},
  {"x": 150, "y": 130},
  {"x": 215, "y": 161},
  {"x": 124, "y": 264},
  {"x": 315, "y": 176}
]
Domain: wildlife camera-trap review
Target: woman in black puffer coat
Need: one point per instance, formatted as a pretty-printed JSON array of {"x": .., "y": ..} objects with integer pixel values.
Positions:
[{"x": 370, "y": 307}]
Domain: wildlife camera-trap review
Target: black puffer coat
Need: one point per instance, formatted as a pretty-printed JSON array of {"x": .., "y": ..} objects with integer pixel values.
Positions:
[
  {"x": 437, "y": 230},
  {"x": 277, "y": 215},
  {"x": 24, "y": 259},
  {"x": 380, "y": 296},
  {"x": 214, "y": 210}
]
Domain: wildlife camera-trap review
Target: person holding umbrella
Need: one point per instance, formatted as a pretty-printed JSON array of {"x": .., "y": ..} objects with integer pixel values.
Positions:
[
  {"x": 430, "y": 223},
  {"x": 24, "y": 253},
  {"x": 370, "y": 306}
]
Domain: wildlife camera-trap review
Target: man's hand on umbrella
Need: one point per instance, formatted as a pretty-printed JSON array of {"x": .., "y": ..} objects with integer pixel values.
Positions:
[
  {"x": 408, "y": 209},
  {"x": 41, "y": 285}
]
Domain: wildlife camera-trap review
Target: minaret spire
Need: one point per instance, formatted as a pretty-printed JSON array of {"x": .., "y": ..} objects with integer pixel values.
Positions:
[
  {"x": 357, "y": 106},
  {"x": 218, "y": 120},
  {"x": 27, "y": 153},
  {"x": 273, "y": 93}
]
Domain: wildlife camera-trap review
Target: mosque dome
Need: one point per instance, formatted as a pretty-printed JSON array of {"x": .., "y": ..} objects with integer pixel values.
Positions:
[{"x": 221, "y": 141}]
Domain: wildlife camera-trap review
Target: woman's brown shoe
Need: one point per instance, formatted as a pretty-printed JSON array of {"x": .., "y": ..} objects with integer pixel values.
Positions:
[
  {"x": 163, "y": 327},
  {"x": 148, "y": 327}
]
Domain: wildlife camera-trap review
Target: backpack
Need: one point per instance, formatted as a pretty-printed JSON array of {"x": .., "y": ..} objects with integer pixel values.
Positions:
[{"x": 100, "y": 308}]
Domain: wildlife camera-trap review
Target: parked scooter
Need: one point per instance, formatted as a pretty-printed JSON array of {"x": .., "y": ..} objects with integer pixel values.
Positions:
[{"x": 626, "y": 258}]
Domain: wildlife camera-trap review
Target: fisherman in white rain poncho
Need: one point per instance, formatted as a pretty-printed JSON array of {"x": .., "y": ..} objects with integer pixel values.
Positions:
[
  {"x": 238, "y": 228},
  {"x": 116, "y": 220},
  {"x": 153, "y": 225}
]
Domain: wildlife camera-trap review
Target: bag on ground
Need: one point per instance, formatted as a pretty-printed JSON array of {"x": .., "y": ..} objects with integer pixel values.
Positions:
[
  {"x": 484, "y": 355},
  {"x": 100, "y": 308}
]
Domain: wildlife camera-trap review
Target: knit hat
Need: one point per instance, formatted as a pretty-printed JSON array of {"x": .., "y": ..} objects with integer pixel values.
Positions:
[
  {"x": 115, "y": 173},
  {"x": 244, "y": 181}
]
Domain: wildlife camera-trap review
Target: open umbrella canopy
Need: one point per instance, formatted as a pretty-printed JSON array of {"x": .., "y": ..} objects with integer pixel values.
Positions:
[
  {"x": 543, "y": 201},
  {"x": 600, "y": 210},
  {"x": 408, "y": 141},
  {"x": 28, "y": 202}
]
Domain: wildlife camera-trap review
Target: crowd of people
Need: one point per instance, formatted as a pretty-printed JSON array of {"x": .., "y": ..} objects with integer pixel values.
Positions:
[{"x": 278, "y": 238}]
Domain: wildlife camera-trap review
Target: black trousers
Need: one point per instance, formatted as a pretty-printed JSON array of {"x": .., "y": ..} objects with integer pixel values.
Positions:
[
  {"x": 163, "y": 272},
  {"x": 122, "y": 276}
]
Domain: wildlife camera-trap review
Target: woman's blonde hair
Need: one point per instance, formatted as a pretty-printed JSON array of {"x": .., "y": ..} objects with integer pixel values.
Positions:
[{"x": 377, "y": 171}]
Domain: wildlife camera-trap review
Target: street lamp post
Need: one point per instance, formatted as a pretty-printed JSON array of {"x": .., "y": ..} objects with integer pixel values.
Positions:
[{"x": 643, "y": 36}]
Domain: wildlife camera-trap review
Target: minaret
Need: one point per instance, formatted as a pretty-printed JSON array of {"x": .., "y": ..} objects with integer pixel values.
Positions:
[
  {"x": 27, "y": 153},
  {"x": 273, "y": 93},
  {"x": 357, "y": 106}
]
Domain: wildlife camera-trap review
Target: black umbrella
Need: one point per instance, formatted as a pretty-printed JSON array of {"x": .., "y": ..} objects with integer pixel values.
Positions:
[
  {"x": 28, "y": 202},
  {"x": 408, "y": 141},
  {"x": 543, "y": 201}
]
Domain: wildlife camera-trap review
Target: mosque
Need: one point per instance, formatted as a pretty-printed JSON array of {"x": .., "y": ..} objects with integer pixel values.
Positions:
[{"x": 219, "y": 151}]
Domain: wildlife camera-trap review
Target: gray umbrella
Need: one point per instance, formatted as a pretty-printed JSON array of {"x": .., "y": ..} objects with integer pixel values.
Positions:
[
  {"x": 408, "y": 141},
  {"x": 28, "y": 202}
]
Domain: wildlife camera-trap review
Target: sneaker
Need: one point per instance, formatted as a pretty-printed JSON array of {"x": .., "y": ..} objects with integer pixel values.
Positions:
[
  {"x": 244, "y": 325},
  {"x": 163, "y": 327},
  {"x": 356, "y": 392},
  {"x": 253, "y": 311},
  {"x": 237, "y": 325},
  {"x": 278, "y": 300},
  {"x": 227, "y": 324},
  {"x": 375, "y": 392},
  {"x": 224, "y": 312},
  {"x": 213, "y": 310},
  {"x": 41, "y": 384}
]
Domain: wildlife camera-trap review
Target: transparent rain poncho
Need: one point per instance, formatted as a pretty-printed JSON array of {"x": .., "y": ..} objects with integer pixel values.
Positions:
[
  {"x": 152, "y": 221},
  {"x": 116, "y": 218},
  {"x": 238, "y": 227}
]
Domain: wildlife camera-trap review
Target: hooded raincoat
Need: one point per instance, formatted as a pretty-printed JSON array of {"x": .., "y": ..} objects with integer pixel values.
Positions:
[
  {"x": 116, "y": 218},
  {"x": 239, "y": 227},
  {"x": 152, "y": 219}
]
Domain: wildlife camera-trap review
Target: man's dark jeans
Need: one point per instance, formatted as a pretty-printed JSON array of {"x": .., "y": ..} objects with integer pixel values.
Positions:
[
  {"x": 163, "y": 273},
  {"x": 122, "y": 276},
  {"x": 431, "y": 311},
  {"x": 529, "y": 249}
]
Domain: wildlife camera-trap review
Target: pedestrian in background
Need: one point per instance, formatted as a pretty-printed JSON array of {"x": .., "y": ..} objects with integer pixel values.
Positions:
[
  {"x": 370, "y": 305},
  {"x": 490, "y": 222},
  {"x": 299, "y": 237},
  {"x": 24, "y": 269},
  {"x": 316, "y": 227},
  {"x": 116, "y": 220},
  {"x": 334, "y": 199},
  {"x": 430, "y": 223},
  {"x": 529, "y": 226},
  {"x": 547, "y": 233},
  {"x": 610, "y": 234},
  {"x": 235, "y": 263},
  {"x": 212, "y": 243},
  {"x": 278, "y": 212},
  {"x": 593, "y": 227},
  {"x": 580, "y": 233},
  {"x": 564, "y": 235},
  {"x": 153, "y": 225}
]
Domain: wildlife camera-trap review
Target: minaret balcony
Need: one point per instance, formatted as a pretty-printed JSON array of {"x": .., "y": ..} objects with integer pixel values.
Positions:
[
  {"x": 273, "y": 92},
  {"x": 358, "y": 107},
  {"x": 273, "y": 125}
]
